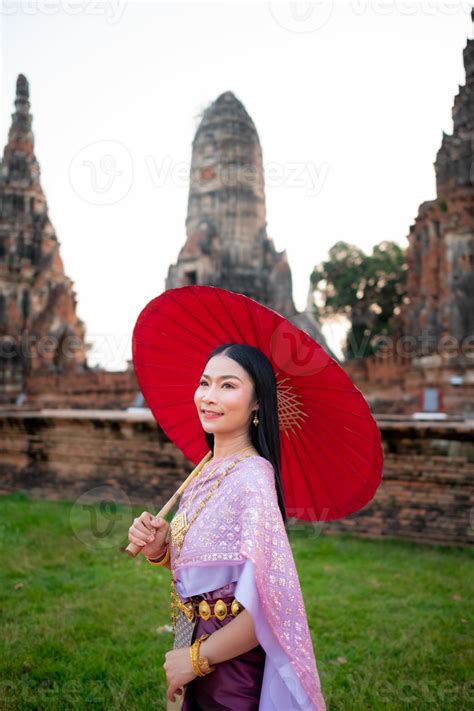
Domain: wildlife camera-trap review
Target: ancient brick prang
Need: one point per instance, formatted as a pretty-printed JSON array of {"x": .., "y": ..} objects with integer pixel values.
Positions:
[
  {"x": 39, "y": 328},
  {"x": 440, "y": 254},
  {"x": 226, "y": 239},
  {"x": 432, "y": 343}
]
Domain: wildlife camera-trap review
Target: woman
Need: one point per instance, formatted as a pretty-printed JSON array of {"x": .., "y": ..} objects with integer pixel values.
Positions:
[{"x": 231, "y": 561}]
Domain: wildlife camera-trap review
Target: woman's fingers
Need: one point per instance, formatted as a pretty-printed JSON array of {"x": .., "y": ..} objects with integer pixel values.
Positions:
[
  {"x": 159, "y": 523},
  {"x": 172, "y": 690},
  {"x": 138, "y": 538},
  {"x": 140, "y": 529}
]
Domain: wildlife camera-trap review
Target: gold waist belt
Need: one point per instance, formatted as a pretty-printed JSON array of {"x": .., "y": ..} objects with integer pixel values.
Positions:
[{"x": 220, "y": 609}]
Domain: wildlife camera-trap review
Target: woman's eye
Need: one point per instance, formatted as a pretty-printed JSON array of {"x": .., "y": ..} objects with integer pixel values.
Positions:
[{"x": 203, "y": 382}]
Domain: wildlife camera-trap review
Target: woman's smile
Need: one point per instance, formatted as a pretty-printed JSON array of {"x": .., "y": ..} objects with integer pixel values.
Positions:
[{"x": 210, "y": 415}]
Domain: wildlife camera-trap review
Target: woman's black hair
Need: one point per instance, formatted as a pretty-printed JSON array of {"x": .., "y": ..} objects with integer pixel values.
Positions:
[{"x": 266, "y": 436}]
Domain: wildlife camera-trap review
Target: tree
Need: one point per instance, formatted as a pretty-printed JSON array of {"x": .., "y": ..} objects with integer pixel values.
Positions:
[{"x": 367, "y": 289}]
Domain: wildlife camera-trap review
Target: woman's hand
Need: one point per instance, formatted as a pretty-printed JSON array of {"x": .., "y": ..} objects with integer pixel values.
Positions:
[
  {"x": 179, "y": 671},
  {"x": 149, "y": 532}
]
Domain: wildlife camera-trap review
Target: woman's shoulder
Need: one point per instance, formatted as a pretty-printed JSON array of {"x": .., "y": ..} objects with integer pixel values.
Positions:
[
  {"x": 254, "y": 480},
  {"x": 256, "y": 464},
  {"x": 263, "y": 462}
]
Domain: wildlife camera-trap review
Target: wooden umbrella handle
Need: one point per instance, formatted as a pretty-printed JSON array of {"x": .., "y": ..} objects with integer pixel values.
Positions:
[{"x": 132, "y": 549}]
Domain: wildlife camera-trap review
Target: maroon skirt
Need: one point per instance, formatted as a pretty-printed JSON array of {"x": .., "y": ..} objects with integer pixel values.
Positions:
[{"x": 235, "y": 683}]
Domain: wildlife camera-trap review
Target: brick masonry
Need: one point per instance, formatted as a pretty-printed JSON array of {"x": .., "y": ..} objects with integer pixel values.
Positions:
[
  {"x": 427, "y": 491},
  {"x": 426, "y": 494}
]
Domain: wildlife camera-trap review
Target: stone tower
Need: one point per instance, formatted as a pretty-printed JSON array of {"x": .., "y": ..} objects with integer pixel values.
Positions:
[
  {"x": 39, "y": 329},
  {"x": 441, "y": 241},
  {"x": 226, "y": 238}
]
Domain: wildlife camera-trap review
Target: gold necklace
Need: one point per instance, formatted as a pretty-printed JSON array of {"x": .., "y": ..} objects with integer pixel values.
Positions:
[
  {"x": 198, "y": 486},
  {"x": 178, "y": 535},
  {"x": 179, "y": 525}
]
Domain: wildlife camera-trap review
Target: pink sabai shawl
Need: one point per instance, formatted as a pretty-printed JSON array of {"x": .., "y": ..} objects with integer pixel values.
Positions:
[{"x": 239, "y": 535}]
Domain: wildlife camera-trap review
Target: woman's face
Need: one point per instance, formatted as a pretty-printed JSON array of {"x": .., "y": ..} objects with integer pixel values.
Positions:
[{"x": 225, "y": 388}]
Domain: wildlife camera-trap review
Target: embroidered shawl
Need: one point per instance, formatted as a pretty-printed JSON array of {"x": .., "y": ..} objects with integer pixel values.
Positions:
[{"x": 242, "y": 521}]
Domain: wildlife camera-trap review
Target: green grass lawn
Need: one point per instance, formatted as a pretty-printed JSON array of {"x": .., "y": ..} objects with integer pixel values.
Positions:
[{"x": 391, "y": 621}]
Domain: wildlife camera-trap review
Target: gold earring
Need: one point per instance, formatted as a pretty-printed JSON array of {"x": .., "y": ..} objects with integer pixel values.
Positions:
[{"x": 255, "y": 419}]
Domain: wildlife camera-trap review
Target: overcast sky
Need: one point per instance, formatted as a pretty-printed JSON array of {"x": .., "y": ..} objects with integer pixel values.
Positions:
[{"x": 349, "y": 101}]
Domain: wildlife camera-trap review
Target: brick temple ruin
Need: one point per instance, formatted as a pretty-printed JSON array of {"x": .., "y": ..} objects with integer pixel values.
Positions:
[
  {"x": 37, "y": 301},
  {"x": 226, "y": 238},
  {"x": 226, "y": 245},
  {"x": 432, "y": 350},
  {"x": 87, "y": 438}
]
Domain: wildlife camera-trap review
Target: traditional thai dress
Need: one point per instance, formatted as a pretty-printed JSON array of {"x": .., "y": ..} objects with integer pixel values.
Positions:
[{"x": 238, "y": 548}]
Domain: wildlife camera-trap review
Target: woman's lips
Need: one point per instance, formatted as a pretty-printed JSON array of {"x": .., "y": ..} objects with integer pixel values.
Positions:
[{"x": 211, "y": 415}]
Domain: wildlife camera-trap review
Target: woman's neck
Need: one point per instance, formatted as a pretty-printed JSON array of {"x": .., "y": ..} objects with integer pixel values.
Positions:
[{"x": 237, "y": 445}]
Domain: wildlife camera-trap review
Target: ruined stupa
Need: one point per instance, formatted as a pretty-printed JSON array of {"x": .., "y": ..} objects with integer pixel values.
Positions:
[
  {"x": 226, "y": 237},
  {"x": 40, "y": 331},
  {"x": 440, "y": 254}
]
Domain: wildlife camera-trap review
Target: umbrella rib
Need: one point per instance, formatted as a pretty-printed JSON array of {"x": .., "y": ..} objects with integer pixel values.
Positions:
[
  {"x": 168, "y": 351},
  {"x": 363, "y": 490},
  {"x": 339, "y": 439},
  {"x": 309, "y": 386},
  {"x": 321, "y": 479},
  {"x": 195, "y": 335},
  {"x": 249, "y": 316},
  {"x": 359, "y": 434},
  {"x": 154, "y": 364},
  {"x": 229, "y": 314},
  {"x": 201, "y": 334},
  {"x": 367, "y": 416},
  {"x": 195, "y": 295}
]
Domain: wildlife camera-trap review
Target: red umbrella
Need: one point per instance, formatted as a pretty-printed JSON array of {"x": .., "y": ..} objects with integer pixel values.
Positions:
[{"x": 331, "y": 449}]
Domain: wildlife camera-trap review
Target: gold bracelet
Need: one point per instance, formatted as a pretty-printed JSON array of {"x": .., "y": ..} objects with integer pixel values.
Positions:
[
  {"x": 200, "y": 664},
  {"x": 160, "y": 561}
]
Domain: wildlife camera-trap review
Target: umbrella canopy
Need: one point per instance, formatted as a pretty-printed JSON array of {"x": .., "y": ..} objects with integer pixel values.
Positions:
[{"x": 331, "y": 449}]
